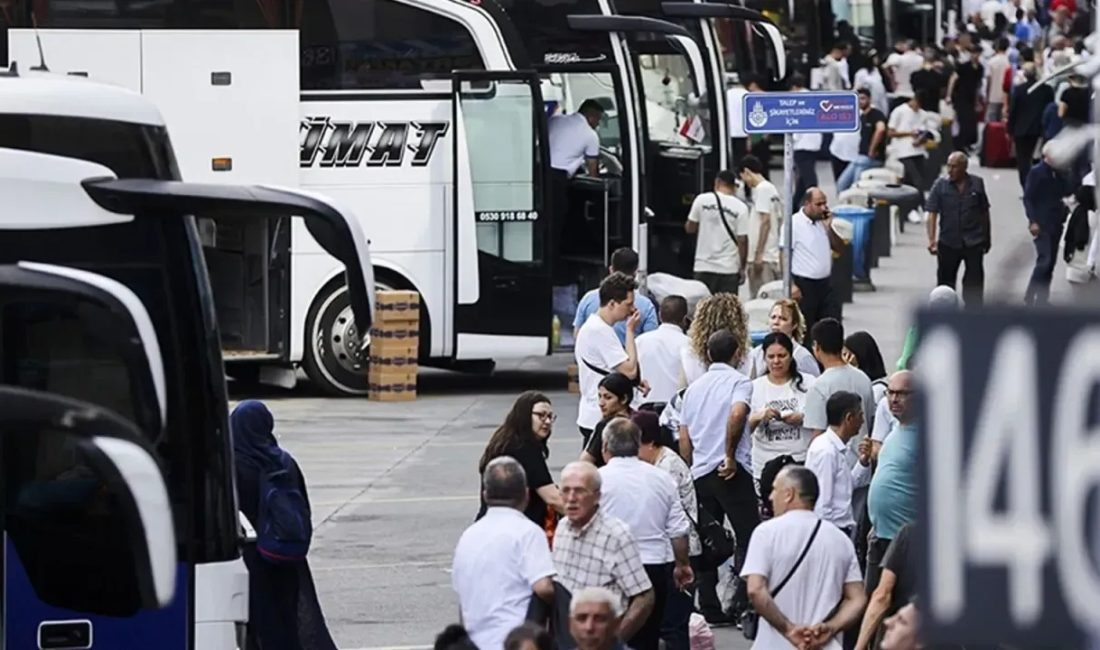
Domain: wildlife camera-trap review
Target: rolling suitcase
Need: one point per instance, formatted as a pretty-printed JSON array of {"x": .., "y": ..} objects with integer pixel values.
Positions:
[{"x": 996, "y": 146}]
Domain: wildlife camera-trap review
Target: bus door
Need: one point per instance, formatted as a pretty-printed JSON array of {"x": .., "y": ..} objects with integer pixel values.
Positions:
[
  {"x": 68, "y": 555},
  {"x": 502, "y": 229}
]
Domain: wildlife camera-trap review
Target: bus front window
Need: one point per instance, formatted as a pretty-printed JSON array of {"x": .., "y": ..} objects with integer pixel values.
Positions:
[{"x": 675, "y": 116}]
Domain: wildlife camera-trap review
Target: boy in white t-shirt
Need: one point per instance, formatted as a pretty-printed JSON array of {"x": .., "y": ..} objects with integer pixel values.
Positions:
[
  {"x": 722, "y": 223},
  {"x": 763, "y": 225},
  {"x": 598, "y": 351}
]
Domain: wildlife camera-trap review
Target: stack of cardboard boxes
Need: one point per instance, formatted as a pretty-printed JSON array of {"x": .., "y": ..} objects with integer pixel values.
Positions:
[{"x": 394, "y": 346}]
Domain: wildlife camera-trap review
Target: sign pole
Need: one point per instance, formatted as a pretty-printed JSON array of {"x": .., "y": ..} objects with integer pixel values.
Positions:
[{"x": 789, "y": 203}]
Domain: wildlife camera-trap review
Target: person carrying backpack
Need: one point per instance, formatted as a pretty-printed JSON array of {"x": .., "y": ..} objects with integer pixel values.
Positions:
[{"x": 283, "y": 611}]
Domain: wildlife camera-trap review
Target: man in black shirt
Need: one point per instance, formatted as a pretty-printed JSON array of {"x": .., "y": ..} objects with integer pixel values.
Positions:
[
  {"x": 895, "y": 589},
  {"x": 872, "y": 142},
  {"x": 959, "y": 204},
  {"x": 928, "y": 85}
]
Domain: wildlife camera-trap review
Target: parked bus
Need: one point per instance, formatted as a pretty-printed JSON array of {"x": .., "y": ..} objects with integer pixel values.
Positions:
[
  {"x": 428, "y": 113},
  {"x": 108, "y": 303}
]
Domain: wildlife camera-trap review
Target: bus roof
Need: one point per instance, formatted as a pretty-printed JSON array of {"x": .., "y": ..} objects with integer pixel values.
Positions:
[{"x": 44, "y": 93}]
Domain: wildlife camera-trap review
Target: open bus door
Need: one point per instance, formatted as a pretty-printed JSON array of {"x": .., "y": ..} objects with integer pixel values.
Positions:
[
  {"x": 502, "y": 227},
  {"x": 90, "y": 553}
]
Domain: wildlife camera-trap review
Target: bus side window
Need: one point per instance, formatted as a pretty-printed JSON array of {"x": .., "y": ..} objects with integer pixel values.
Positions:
[{"x": 379, "y": 44}]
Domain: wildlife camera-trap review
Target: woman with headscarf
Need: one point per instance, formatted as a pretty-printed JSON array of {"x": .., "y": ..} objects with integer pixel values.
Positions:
[
  {"x": 615, "y": 394},
  {"x": 283, "y": 610}
]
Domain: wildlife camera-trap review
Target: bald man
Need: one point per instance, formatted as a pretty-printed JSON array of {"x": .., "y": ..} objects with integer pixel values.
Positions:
[
  {"x": 959, "y": 206},
  {"x": 813, "y": 242}
]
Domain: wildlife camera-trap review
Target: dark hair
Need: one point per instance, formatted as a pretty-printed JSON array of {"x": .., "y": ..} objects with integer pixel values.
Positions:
[
  {"x": 779, "y": 338},
  {"x": 625, "y": 260},
  {"x": 504, "y": 481},
  {"x": 798, "y": 80},
  {"x": 805, "y": 483},
  {"x": 516, "y": 431},
  {"x": 864, "y": 347},
  {"x": 618, "y": 385},
  {"x": 590, "y": 106},
  {"x": 1002, "y": 42},
  {"x": 616, "y": 286},
  {"x": 727, "y": 178},
  {"x": 528, "y": 632},
  {"x": 840, "y": 404},
  {"x": 674, "y": 309},
  {"x": 864, "y": 90},
  {"x": 828, "y": 334},
  {"x": 650, "y": 425},
  {"x": 454, "y": 637},
  {"x": 751, "y": 163},
  {"x": 722, "y": 346}
]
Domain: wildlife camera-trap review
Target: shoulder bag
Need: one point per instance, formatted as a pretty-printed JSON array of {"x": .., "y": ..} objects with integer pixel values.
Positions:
[
  {"x": 715, "y": 540},
  {"x": 750, "y": 622},
  {"x": 722, "y": 213}
]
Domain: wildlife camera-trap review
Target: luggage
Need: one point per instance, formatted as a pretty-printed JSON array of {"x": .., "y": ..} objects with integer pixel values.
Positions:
[{"x": 997, "y": 146}]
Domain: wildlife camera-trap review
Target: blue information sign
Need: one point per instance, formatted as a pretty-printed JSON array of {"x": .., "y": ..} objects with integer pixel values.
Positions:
[{"x": 800, "y": 112}]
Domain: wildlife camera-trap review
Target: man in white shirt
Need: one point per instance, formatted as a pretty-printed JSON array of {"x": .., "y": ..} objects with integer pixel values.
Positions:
[
  {"x": 901, "y": 64},
  {"x": 835, "y": 69},
  {"x": 813, "y": 242},
  {"x": 795, "y": 599},
  {"x": 715, "y": 443},
  {"x": 721, "y": 221},
  {"x": 827, "y": 459},
  {"x": 764, "y": 224},
  {"x": 659, "y": 351},
  {"x": 646, "y": 499},
  {"x": 909, "y": 129},
  {"x": 574, "y": 144},
  {"x": 995, "y": 75},
  {"x": 598, "y": 351},
  {"x": 806, "y": 148},
  {"x": 501, "y": 560},
  {"x": 735, "y": 98}
]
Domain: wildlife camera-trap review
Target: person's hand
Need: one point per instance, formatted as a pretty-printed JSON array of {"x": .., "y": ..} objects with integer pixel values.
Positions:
[
  {"x": 1033, "y": 228},
  {"x": 933, "y": 247},
  {"x": 822, "y": 633},
  {"x": 796, "y": 293},
  {"x": 771, "y": 414},
  {"x": 644, "y": 387},
  {"x": 865, "y": 452},
  {"x": 758, "y": 263},
  {"x": 801, "y": 637},
  {"x": 728, "y": 469},
  {"x": 634, "y": 321},
  {"x": 794, "y": 418},
  {"x": 683, "y": 576}
]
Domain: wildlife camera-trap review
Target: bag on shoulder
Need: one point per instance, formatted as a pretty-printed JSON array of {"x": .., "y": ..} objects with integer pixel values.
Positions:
[
  {"x": 285, "y": 523},
  {"x": 750, "y": 620}
]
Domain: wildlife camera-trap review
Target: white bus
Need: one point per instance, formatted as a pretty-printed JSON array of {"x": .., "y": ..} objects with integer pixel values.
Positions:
[{"x": 427, "y": 115}]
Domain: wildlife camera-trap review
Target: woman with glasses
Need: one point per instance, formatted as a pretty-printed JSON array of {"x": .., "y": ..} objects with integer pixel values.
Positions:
[{"x": 523, "y": 436}]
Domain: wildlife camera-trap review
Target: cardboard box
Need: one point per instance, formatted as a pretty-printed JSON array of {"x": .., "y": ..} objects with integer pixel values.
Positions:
[
  {"x": 391, "y": 362},
  {"x": 395, "y": 342},
  {"x": 396, "y": 307},
  {"x": 573, "y": 385},
  {"x": 387, "y": 385}
]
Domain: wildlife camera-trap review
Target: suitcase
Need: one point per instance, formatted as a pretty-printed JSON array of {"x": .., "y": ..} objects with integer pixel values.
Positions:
[{"x": 996, "y": 146}]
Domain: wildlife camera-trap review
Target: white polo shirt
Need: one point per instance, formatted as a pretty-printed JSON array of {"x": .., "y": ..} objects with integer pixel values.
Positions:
[
  {"x": 812, "y": 257},
  {"x": 497, "y": 562},
  {"x": 827, "y": 459},
  {"x": 597, "y": 344},
  {"x": 705, "y": 412},
  {"x": 807, "y": 141},
  {"x": 816, "y": 586},
  {"x": 905, "y": 119},
  {"x": 572, "y": 141},
  {"x": 647, "y": 500},
  {"x": 659, "y": 356}
]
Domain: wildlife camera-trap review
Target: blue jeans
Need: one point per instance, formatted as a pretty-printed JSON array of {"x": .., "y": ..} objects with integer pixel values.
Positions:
[
  {"x": 1046, "y": 256},
  {"x": 853, "y": 170}
]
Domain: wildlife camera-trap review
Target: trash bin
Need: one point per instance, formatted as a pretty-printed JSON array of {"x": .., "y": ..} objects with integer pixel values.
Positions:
[
  {"x": 906, "y": 197},
  {"x": 842, "y": 275},
  {"x": 861, "y": 220}
]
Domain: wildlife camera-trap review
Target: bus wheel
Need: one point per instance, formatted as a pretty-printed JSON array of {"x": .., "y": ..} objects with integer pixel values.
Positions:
[{"x": 334, "y": 359}]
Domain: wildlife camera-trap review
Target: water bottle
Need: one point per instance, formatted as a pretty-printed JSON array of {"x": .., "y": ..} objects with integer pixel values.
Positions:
[{"x": 555, "y": 332}]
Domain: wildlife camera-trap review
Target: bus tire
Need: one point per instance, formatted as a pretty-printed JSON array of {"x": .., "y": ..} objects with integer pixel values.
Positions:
[{"x": 332, "y": 358}]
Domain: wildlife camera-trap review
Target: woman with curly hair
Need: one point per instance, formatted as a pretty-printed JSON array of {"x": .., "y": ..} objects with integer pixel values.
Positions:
[
  {"x": 785, "y": 317},
  {"x": 722, "y": 311}
]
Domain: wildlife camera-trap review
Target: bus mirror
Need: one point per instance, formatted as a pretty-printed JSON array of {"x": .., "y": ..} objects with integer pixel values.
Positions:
[{"x": 85, "y": 507}]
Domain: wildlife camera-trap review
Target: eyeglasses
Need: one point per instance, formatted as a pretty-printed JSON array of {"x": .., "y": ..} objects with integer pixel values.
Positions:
[
  {"x": 545, "y": 417},
  {"x": 898, "y": 393}
]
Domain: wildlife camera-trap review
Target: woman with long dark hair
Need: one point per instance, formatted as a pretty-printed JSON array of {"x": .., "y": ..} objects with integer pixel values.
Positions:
[
  {"x": 861, "y": 351},
  {"x": 523, "y": 436},
  {"x": 283, "y": 610},
  {"x": 778, "y": 406},
  {"x": 615, "y": 394}
]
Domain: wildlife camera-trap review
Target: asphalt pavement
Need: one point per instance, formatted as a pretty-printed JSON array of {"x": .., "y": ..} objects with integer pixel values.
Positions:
[{"x": 393, "y": 485}]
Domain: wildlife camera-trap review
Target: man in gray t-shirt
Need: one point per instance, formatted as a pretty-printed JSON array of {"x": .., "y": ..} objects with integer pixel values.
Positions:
[{"x": 837, "y": 376}]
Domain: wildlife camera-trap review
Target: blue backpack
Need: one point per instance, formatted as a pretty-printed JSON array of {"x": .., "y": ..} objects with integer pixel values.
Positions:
[{"x": 285, "y": 526}]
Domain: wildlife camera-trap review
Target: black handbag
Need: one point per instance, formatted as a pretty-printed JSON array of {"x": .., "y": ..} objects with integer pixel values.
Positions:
[
  {"x": 715, "y": 540},
  {"x": 750, "y": 620}
]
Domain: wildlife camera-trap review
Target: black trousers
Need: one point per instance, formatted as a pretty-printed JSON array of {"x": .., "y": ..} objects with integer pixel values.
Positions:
[
  {"x": 720, "y": 282},
  {"x": 804, "y": 167},
  {"x": 649, "y": 635},
  {"x": 1046, "y": 257},
  {"x": 914, "y": 167},
  {"x": 1025, "y": 149},
  {"x": 876, "y": 550},
  {"x": 734, "y": 499},
  {"x": 738, "y": 147},
  {"x": 817, "y": 303},
  {"x": 559, "y": 211},
  {"x": 838, "y": 166},
  {"x": 947, "y": 271},
  {"x": 967, "y": 118}
]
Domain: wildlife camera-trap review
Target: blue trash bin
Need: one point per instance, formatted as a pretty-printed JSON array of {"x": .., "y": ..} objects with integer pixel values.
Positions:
[{"x": 861, "y": 219}]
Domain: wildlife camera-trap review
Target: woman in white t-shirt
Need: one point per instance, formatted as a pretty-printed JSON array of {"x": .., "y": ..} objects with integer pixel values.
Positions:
[
  {"x": 785, "y": 317},
  {"x": 722, "y": 311},
  {"x": 778, "y": 405}
]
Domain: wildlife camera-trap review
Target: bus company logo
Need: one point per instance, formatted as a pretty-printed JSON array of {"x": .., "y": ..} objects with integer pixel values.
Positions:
[
  {"x": 758, "y": 117},
  {"x": 330, "y": 143}
]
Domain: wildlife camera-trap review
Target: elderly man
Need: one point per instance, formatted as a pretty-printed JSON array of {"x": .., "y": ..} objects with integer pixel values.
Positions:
[
  {"x": 1046, "y": 215},
  {"x": 799, "y": 568},
  {"x": 595, "y": 617},
  {"x": 646, "y": 498},
  {"x": 502, "y": 559},
  {"x": 959, "y": 205},
  {"x": 595, "y": 549}
]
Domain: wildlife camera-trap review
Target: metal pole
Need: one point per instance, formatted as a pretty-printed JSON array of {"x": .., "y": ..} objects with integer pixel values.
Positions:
[
  {"x": 606, "y": 234},
  {"x": 789, "y": 203}
]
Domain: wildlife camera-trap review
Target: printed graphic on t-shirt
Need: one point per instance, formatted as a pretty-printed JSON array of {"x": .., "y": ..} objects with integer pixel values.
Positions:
[{"x": 778, "y": 430}]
